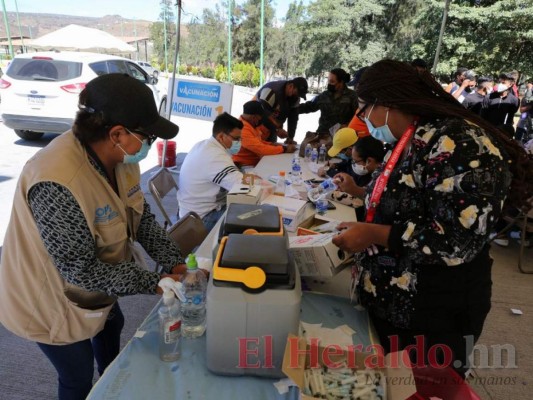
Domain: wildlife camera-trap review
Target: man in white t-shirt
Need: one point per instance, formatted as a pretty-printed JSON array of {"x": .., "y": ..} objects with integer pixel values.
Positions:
[{"x": 208, "y": 172}]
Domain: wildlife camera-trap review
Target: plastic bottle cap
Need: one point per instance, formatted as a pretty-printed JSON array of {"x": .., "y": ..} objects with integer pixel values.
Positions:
[
  {"x": 191, "y": 261},
  {"x": 281, "y": 173},
  {"x": 168, "y": 297}
]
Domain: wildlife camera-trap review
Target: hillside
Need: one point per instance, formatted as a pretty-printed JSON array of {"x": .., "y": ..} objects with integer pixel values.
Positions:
[{"x": 37, "y": 25}]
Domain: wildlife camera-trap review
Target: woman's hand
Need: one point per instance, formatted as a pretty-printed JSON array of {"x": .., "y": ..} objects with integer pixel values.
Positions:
[
  {"x": 179, "y": 269},
  {"x": 357, "y": 236},
  {"x": 345, "y": 225},
  {"x": 322, "y": 170},
  {"x": 345, "y": 183},
  {"x": 174, "y": 277}
]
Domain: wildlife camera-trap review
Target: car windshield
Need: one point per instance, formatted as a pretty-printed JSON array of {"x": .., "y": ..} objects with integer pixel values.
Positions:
[{"x": 31, "y": 69}]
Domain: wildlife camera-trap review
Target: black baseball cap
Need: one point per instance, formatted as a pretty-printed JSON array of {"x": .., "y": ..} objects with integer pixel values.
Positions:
[
  {"x": 253, "y": 107},
  {"x": 124, "y": 100},
  {"x": 506, "y": 75},
  {"x": 357, "y": 77},
  {"x": 301, "y": 85}
]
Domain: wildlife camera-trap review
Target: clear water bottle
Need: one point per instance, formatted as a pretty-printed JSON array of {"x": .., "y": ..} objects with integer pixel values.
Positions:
[
  {"x": 314, "y": 155},
  {"x": 308, "y": 151},
  {"x": 281, "y": 185},
  {"x": 296, "y": 173},
  {"x": 326, "y": 187},
  {"x": 322, "y": 154},
  {"x": 193, "y": 308},
  {"x": 321, "y": 205}
]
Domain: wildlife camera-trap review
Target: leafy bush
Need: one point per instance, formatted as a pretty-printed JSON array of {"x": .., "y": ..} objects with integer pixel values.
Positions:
[
  {"x": 221, "y": 73},
  {"x": 207, "y": 72}
]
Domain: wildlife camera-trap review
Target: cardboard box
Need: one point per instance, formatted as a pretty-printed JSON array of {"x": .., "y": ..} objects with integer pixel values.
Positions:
[
  {"x": 400, "y": 383},
  {"x": 316, "y": 224},
  {"x": 292, "y": 210},
  {"x": 316, "y": 255},
  {"x": 244, "y": 194}
]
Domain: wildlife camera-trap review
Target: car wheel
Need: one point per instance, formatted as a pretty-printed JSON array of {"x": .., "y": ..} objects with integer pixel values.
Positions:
[
  {"x": 155, "y": 74},
  {"x": 163, "y": 107},
  {"x": 29, "y": 135}
]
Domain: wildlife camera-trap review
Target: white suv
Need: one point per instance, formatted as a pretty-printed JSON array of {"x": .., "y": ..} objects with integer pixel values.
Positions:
[
  {"x": 148, "y": 68},
  {"x": 40, "y": 90}
]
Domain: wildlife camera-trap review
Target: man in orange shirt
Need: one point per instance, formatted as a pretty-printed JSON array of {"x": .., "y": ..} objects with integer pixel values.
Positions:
[
  {"x": 356, "y": 123},
  {"x": 252, "y": 146}
]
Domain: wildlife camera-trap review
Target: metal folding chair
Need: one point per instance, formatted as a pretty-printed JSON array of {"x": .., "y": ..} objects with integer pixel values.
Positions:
[
  {"x": 159, "y": 185},
  {"x": 189, "y": 231},
  {"x": 524, "y": 221}
]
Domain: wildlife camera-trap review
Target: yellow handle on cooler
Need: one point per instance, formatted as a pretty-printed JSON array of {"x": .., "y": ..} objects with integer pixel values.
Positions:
[{"x": 253, "y": 277}]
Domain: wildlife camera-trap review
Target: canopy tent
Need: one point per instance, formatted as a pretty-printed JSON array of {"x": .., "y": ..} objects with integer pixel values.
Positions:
[{"x": 80, "y": 38}]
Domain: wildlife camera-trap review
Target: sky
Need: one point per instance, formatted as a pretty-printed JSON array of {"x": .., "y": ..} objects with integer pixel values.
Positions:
[{"x": 134, "y": 9}]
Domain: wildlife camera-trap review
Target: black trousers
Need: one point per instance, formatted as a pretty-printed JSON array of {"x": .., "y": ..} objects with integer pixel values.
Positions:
[{"x": 451, "y": 306}]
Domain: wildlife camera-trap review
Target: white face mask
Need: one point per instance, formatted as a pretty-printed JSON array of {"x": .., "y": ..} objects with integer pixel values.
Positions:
[
  {"x": 359, "y": 169},
  {"x": 501, "y": 87}
]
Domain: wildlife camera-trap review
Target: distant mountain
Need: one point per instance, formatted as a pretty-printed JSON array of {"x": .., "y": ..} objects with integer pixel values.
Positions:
[{"x": 36, "y": 25}]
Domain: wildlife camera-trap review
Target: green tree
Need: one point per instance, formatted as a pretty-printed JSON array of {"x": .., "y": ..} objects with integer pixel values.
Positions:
[
  {"x": 488, "y": 35},
  {"x": 247, "y": 31},
  {"x": 295, "y": 59},
  {"x": 206, "y": 40},
  {"x": 343, "y": 33},
  {"x": 157, "y": 32}
]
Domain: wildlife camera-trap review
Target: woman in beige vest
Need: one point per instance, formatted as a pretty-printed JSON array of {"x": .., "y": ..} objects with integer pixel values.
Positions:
[{"x": 68, "y": 251}]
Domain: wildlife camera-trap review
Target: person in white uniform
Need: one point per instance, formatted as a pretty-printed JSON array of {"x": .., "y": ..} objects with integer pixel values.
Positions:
[{"x": 208, "y": 172}]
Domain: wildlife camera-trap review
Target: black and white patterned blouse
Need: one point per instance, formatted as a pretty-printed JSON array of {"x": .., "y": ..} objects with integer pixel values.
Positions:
[
  {"x": 442, "y": 201},
  {"x": 68, "y": 240}
]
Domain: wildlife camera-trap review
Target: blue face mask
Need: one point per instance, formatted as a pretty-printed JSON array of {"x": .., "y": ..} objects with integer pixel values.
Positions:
[
  {"x": 382, "y": 133},
  {"x": 140, "y": 155},
  {"x": 235, "y": 147},
  {"x": 344, "y": 157}
]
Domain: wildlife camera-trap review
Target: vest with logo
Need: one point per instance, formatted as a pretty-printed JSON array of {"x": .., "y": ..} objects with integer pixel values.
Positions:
[{"x": 35, "y": 301}]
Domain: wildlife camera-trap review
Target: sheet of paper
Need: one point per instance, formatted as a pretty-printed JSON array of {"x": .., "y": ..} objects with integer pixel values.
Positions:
[
  {"x": 283, "y": 385},
  {"x": 341, "y": 335}
]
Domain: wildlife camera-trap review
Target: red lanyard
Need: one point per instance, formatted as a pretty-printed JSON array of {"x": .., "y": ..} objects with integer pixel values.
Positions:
[{"x": 383, "y": 178}]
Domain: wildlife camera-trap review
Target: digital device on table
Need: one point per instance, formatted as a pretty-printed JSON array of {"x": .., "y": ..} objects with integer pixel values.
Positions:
[
  {"x": 331, "y": 206},
  {"x": 314, "y": 181}
]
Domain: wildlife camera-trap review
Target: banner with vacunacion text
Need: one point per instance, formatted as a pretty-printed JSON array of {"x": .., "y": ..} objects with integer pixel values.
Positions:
[{"x": 200, "y": 99}]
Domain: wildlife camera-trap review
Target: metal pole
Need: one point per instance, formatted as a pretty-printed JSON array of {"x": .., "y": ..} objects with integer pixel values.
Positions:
[
  {"x": 165, "y": 34},
  {"x": 441, "y": 34},
  {"x": 173, "y": 84},
  {"x": 8, "y": 33},
  {"x": 230, "y": 11},
  {"x": 178, "y": 31},
  {"x": 20, "y": 28},
  {"x": 178, "y": 35},
  {"x": 262, "y": 42},
  {"x": 136, "y": 42}
]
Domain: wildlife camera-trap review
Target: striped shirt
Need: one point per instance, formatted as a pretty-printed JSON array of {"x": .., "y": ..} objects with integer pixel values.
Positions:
[{"x": 207, "y": 173}]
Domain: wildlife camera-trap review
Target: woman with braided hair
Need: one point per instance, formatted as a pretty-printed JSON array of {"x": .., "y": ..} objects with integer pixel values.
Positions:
[{"x": 424, "y": 270}]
